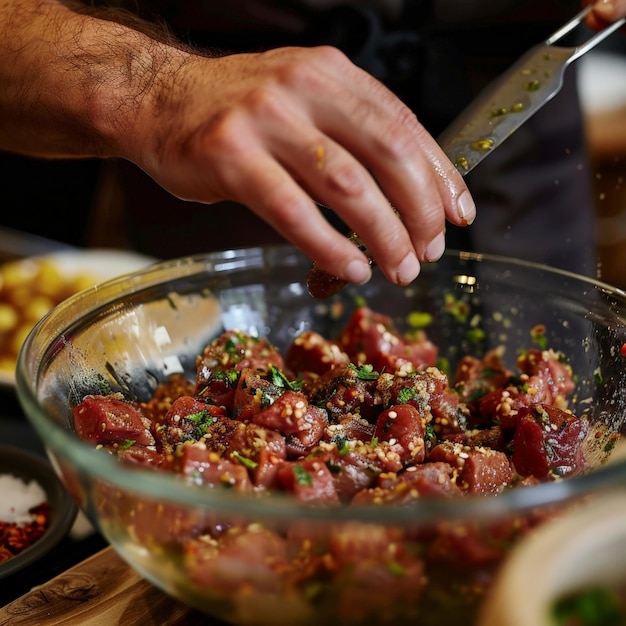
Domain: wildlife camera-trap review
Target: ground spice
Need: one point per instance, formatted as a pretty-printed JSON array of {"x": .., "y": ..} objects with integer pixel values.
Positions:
[{"x": 15, "y": 538}]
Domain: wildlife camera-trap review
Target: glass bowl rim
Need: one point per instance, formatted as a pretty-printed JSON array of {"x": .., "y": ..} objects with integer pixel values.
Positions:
[{"x": 170, "y": 488}]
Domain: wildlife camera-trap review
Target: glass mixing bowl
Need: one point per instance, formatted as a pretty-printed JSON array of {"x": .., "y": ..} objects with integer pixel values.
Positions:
[{"x": 132, "y": 333}]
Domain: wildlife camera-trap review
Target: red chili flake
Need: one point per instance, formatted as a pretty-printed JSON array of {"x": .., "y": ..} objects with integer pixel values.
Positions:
[
  {"x": 622, "y": 350},
  {"x": 15, "y": 538}
]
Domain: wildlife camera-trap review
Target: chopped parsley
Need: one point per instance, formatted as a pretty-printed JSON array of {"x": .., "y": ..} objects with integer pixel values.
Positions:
[
  {"x": 590, "y": 607},
  {"x": 459, "y": 309},
  {"x": 202, "y": 420},
  {"x": 532, "y": 85},
  {"x": 244, "y": 460},
  {"x": 476, "y": 335},
  {"x": 281, "y": 381},
  {"x": 397, "y": 568},
  {"x": 539, "y": 337},
  {"x": 406, "y": 394},
  {"x": 419, "y": 319},
  {"x": 231, "y": 376},
  {"x": 364, "y": 372},
  {"x": 303, "y": 478},
  {"x": 597, "y": 376},
  {"x": 334, "y": 468},
  {"x": 341, "y": 441}
]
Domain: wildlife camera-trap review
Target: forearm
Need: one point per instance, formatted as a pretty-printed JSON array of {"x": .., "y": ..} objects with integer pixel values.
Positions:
[{"x": 74, "y": 86}]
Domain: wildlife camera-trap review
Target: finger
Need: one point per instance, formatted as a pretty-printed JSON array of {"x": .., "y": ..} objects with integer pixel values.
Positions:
[
  {"x": 370, "y": 122},
  {"x": 605, "y": 12},
  {"x": 250, "y": 174},
  {"x": 331, "y": 175},
  {"x": 411, "y": 168},
  {"x": 292, "y": 212}
]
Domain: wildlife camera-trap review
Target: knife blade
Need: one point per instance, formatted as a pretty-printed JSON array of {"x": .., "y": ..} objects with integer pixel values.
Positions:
[{"x": 515, "y": 96}]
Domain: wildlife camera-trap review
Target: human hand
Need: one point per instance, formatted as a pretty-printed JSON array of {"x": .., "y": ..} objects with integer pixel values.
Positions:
[
  {"x": 276, "y": 131},
  {"x": 605, "y": 12}
]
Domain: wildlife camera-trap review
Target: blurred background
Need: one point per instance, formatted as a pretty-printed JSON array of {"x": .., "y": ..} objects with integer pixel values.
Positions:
[{"x": 112, "y": 204}]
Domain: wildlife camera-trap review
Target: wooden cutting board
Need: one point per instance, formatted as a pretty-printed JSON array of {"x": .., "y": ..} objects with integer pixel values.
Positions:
[{"x": 101, "y": 591}]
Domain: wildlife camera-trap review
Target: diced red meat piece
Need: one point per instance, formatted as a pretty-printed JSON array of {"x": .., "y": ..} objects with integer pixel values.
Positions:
[
  {"x": 310, "y": 352},
  {"x": 344, "y": 390},
  {"x": 367, "y": 335},
  {"x": 371, "y": 338},
  {"x": 488, "y": 438},
  {"x": 245, "y": 558},
  {"x": 109, "y": 419},
  {"x": 429, "y": 392},
  {"x": 547, "y": 440},
  {"x": 147, "y": 457},
  {"x": 309, "y": 480},
  {"x": 474, "y": 377},
  {"x": 352, "y": 427},
  {"x": 262, "y": 450},
  {"x": 151, "y": 521},
  {"x": 469, "y": 544},
  {"x": 544, "y": 380},
  {"x": 425, "y": 480},
  {"x": 189, "y": 419},
  {"x": 218, "y": 386},
  {"x": 480, "y": 470},
  {"x": 354, "y": 541},
  {"x": 234, "y": 350},
  {"x": 304, "y": 440},
  {"x": 378, "y": 593},
  {"x": 402, "y": 426},
  {"x": 290, "y": 413},
  {"x": 419, "y": 351},
  {"x": 546, "y": 364},
  {"x": 376, "y": 573},
  {"x": 253, "y": 394},
  {"x": 506, "y": 406},
  {"x": 351, "y": 471},
  {"x": 210, "y": 468}
]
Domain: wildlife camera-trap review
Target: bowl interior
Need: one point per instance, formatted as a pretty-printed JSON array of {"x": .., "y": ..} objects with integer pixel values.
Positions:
[{"x": 131, "y": 333}]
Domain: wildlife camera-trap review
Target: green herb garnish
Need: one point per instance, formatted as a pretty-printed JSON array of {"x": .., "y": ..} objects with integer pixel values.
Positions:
[
  {"x": 244, "y": 460},
  {"x": 364, "y": 372},
  {"x": 303, "y": 478}
]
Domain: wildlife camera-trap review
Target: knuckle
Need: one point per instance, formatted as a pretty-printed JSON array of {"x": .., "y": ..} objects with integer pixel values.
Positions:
[
  {"x": 265, "y": 102},
  {"x": 221, "y": 132},
  {"x": 346, "y": 179},
  {"x": 331, "y": 55},
  {"x": 400, "y": 135},
  {"x": 305, "y": 68},
  {"x": 287, "y": 210}
]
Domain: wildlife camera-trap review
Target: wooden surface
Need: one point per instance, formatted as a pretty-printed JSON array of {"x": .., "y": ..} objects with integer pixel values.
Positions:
[{"x": 100, "y": 591}]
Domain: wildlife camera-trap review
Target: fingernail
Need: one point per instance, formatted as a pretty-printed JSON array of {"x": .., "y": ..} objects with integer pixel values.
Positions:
[
  {"x": 358, "y": 272},
  {"x": 466, "y": 208},
  {"x": 435, "y": 248},
  {"x": 408, "y": 269},
  {"x": 606, "y": 7}
]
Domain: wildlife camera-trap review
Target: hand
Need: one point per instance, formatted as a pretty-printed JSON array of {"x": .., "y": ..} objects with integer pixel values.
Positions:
[
  {"x": 278, "y": 130},
  {"x": 605, "y": 12}
]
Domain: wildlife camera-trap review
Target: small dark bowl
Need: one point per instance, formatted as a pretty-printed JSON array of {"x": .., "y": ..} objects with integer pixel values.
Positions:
[{"x": 62, "y": 511}]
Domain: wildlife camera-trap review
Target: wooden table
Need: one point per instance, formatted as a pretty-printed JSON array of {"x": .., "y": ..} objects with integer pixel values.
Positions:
[{"x": 101, "y": 591}]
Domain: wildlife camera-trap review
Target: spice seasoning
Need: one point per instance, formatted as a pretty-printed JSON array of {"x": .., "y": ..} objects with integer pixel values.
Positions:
[{"x": 24, "y": 515}]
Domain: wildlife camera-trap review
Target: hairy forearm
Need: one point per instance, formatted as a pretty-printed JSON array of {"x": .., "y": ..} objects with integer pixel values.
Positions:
[{"x": 75, "y": 86}]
